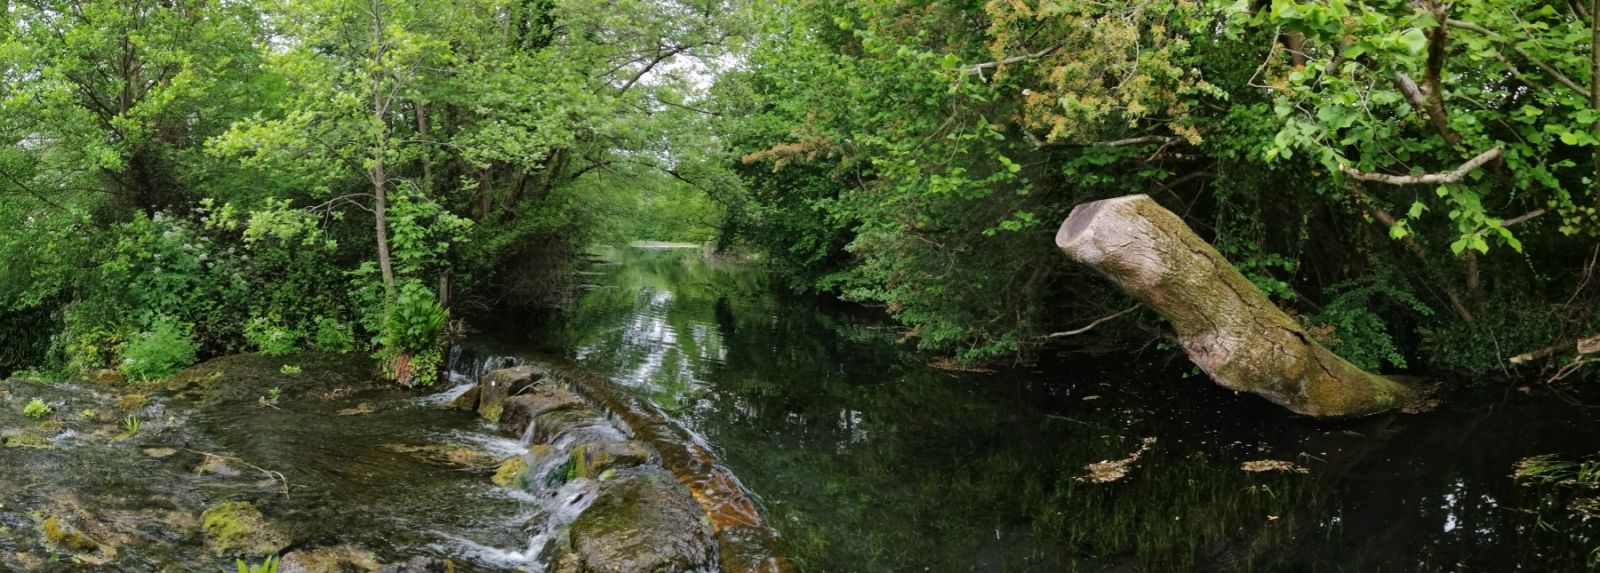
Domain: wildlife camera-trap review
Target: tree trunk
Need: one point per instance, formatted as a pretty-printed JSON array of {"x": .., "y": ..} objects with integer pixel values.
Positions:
[
  {"x": 1227, "y": 326},
  {"x": 380, "y": 216},
  {"x": 378, "y": 175}
]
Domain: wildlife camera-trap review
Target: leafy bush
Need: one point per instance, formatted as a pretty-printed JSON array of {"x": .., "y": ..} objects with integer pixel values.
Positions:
[
  {"x": 1350, "y": 326},
  {"x": 333, "y": 336},
  {"x": 271, "y": 337},
  {"x": 411, "y": 334},
  {"x": 159, "y": 352},
  {"x": 166, "y": 266}
]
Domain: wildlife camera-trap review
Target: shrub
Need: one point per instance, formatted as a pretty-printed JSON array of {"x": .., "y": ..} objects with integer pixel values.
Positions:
[
  {"x": 1350, "y": 327},
  {"x": 333, "y": 336},
  {"x": 411, "y": 334},
  {"x": 159, "y": 352},
  {"x": 271, "y": 337}
]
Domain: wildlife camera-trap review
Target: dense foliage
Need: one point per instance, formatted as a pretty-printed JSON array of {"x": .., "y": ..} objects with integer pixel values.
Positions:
[
  {"x": 1415, "y": 180},
  {"x": 185, "y": 179}
]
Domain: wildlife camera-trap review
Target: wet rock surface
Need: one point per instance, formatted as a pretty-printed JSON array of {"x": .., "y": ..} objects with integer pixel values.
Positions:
[
  {"x": 498, "y": 385},
  {"x": 238, "y": 528},
  {"x": 339, "y": 559},
  {"x": 606, "y": 504},
  {"x": 521, "y": 411},
  {"x": 120, "y": 476},
  {"x": 642, "y": 521},
  {"x": 242, "y": 458}
]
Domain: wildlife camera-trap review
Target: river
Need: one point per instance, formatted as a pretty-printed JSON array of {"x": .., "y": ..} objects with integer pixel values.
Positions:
[
  {"x": 861, "y": 455},
  {"x": 866, "y": 458}
]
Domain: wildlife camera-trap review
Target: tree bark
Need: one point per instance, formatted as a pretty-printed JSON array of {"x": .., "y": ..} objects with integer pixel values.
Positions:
[
  {"x": 1227, "y": 326},
  {"x": 377, "y": 173}
]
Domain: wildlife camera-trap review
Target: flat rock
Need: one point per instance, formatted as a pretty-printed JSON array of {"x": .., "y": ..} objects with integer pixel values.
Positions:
[{"x": 519, "y": 411}]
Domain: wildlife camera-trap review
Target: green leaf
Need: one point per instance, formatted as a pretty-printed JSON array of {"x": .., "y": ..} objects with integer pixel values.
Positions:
[
  {"x": 1416, "y": 209},
  {"x": 950, "y": 62},
  {"x": 1414, "y": 40}
]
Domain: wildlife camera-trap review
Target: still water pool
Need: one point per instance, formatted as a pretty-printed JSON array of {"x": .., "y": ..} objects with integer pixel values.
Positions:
[{"x": 866, "y": 458}]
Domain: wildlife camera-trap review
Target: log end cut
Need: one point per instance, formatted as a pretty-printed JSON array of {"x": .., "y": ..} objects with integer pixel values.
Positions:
[{"x": 1077, "y": 234}]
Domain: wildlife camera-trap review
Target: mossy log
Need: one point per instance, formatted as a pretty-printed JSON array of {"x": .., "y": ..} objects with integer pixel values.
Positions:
[{"x": 1226, "y": 325}]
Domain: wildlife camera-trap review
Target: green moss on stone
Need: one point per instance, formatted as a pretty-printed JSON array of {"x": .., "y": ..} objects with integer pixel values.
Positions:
[
  {"x": 512, "y": 473},
  {"x": 66, "y": 537},
  {"x": 27, "y": 441},
  {"x": 238, "y": 527}
]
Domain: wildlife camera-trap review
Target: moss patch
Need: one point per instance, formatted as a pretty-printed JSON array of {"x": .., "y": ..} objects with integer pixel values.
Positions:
[
  {"x": 67, "y": 537},
  {"x": 132, "y": 402},
  {"x": 27, "y": 441},
  {"x": 512, "y": 473},
  {"x": 238, "y": 527}
]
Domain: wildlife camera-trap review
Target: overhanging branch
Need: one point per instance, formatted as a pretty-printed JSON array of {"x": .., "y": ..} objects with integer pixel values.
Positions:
[
  {"x": 1547, "y": 68},
  {"x": 1453, "y": 176}
]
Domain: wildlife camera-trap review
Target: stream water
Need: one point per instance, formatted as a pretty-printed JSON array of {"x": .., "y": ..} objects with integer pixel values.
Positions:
[
  {"x": 865, "y": 458},
  {"x": 861, "y": 455}
]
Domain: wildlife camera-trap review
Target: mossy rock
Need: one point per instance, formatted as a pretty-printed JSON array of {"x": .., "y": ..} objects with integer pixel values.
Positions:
[
  {"x": 108, "y": 377},
  {"x": 131, "y": 402},
  {"x": 498, "y": 385},
  {"x": 245, "y": 377},
  {"x": 524, "y": 409},
  {"x": 28, "y": 440},
  {"x": 58, "y": 533},
  {"x": 468, "y": 400},
  {"x": 512, "y": 473},
  {"x": 643, "y": 521},
  {"x": 237, "y": 527},
  {"x": 446, "y": 455},
  {"x": 593, "y": 460},
  {"x": 339, "y": 559}
]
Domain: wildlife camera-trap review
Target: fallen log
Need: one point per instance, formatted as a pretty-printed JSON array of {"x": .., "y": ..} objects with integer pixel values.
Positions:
[{"x": 1226, "y": 325}]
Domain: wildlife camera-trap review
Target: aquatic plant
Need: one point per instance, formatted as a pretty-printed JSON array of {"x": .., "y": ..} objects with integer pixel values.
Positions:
[
  {"x": 131, "y": 424},
  {"x": 289, "y": 369},
  {"x": 268, "y": 566},
  {"x": 36, "y": 409}
]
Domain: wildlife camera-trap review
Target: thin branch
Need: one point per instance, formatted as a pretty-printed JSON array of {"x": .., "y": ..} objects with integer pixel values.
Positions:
[
  {"x": 1091, "y": 325},
  {"x": 276, "y": 476},
  {"x": 1388, "y": 221},
  {"x": 979, "y": 68},
  {"x": 1523, "y": 218},
  {"x": 1162, "y": 139},
  {"x": 1426, "y": 178},
  {"x": 1583, "y": 346},
  {"x": 1547, "y": 68}
]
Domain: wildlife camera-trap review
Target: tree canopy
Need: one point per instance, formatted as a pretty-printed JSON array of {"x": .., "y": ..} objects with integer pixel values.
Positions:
[{"x": 1416, "y": 181}]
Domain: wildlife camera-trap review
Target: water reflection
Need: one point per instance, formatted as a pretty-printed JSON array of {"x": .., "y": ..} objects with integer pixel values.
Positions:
[{"x": 866, "y": 459}]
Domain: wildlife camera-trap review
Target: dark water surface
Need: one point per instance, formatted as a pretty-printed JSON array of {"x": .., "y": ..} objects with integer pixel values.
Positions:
[{"x": 867, "y": 459}]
